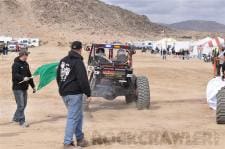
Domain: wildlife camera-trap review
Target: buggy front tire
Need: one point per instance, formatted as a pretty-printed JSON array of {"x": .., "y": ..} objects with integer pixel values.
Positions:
[{"x": 220, "y": 110}]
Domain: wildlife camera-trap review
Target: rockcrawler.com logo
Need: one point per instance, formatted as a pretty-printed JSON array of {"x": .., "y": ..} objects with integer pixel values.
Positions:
[{"x": 155, "y": 138}]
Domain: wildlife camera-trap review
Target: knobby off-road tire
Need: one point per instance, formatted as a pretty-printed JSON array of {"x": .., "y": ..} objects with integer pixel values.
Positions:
[
  {"x": 220, "y": 110},
  {"x": 143, "y": 93}
]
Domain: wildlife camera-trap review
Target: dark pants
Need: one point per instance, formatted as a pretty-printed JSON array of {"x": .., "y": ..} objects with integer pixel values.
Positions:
[
  {"x": 21, "y": 101},
  {"x": 219, "y": 67},
  {"x": 223, "y": 68},
  {"x": 5, "y": 52}
]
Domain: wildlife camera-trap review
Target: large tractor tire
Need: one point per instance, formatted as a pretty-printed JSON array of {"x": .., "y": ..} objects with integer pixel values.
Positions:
[
  {"x": 220, "y": 110},
  {"x": 143, "y": 93}
]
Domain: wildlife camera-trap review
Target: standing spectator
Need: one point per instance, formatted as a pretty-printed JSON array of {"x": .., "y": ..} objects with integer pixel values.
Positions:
[
  {"x": 17, "y": 48},
  {"x": 164, "y": 53},
  {"x": 183, "y": 54},
  {"x": 215, "y": 62},
  {"x": 5, "y": 50},
  {"x": 188, "y": 54},
  {"x": 223, "y": 70},
  {"x": 221, "y": 61},
  {"x": 21, "y": 77},
  {"x": 73, "y": 83}
]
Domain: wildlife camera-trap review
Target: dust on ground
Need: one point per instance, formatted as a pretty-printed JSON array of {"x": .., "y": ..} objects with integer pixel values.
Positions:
[{"x": 179, "y": 116}]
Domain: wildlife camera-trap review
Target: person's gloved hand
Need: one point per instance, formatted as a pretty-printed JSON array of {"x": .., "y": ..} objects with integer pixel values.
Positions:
[
  {"x": 34, "y": 90},
  {"x": 26, "y": 79}
]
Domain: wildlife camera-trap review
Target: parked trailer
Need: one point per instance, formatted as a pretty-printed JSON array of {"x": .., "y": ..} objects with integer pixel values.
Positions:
[
  {"x": 30, "y": 42},
  {"x": 6, "y": 39}
]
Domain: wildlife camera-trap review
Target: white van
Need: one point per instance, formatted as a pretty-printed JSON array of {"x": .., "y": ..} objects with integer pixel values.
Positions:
[
  {"x": 29, "y": 42},
  {"x": 35, "y": 42},
  {"x": 12, "y": 45},
  {"x": 25, "y": 41}
]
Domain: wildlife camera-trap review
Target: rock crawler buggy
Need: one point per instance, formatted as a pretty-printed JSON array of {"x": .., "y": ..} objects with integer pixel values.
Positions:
[{"x": 111, "y": 75}]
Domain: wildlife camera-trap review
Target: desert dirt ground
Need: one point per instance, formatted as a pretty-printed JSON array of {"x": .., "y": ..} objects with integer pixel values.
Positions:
[{"x": 179, "y": 116}]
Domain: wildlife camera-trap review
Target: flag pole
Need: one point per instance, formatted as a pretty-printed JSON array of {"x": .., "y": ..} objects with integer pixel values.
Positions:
[{"x": 26, "y": 81}]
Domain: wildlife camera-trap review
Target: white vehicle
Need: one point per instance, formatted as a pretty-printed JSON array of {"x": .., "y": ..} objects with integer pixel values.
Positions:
[
  {"x": 143, "y": 45},
  {"x": 22, "y": 46},
  {"x": 29, "y": 42},
  {"x": 138, "y": 45},
  {"x": 25, "y": 41},
  {"x": 35, "y": 42},
  {"x": 148, "y": 44},
  {"x": 12, "y": 45}
]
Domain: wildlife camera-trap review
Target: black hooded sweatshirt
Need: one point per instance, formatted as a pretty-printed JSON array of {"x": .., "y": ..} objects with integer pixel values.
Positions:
[
  {"x": 20, "y": 69},
  {"x": 72, "y": 76}
]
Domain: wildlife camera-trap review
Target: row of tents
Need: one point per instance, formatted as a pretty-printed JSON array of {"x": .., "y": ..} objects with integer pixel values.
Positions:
[
  {"x": 207, "y": 45},
  {"x": 202, "y": 46}
]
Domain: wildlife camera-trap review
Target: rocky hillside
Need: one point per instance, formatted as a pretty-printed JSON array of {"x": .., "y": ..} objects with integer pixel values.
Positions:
[
  {"x": 70, "y": 19},
  {"x": 87, "y": 20},
  {"x": 92, "y": 14}
]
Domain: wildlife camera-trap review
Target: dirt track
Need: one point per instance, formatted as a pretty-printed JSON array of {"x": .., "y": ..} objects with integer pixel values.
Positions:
[{"x": 178, "y": 109}]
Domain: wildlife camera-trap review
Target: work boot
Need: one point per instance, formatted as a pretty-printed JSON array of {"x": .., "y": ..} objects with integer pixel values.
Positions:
[
  {"x": 71, "y": 146},
  {"x": 24, "y": 125},
  {"x": 15, "y": 122},
  {"x": 68, "y": 146},
  {"x": 82, "y": 143}
]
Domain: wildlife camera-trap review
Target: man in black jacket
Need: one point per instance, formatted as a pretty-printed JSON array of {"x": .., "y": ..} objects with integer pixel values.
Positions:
[
  {"x": 21, "y": 77},
  {"x": 73, "y": 83}
]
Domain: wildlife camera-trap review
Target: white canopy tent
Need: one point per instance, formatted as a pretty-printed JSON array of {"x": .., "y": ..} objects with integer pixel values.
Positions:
[
  {"x": 202, "y": 41},
  {"x": 165, "y": 42},
  {"x": 212, "y": 44},
  {"x": 206, "y": 45},
  {"x": 179, "y": 45},
  {"x": 215, "y": 42}
]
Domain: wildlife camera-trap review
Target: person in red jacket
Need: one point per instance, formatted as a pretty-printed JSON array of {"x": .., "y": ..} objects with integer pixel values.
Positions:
[{"x": 17, "y": 48}]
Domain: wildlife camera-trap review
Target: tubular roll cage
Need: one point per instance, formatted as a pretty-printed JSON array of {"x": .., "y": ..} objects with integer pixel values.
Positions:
[{"x": 128, "y": 49}]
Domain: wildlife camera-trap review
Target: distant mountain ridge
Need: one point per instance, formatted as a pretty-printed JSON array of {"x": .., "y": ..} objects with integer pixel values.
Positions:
[{"x": 199, "y": 25}]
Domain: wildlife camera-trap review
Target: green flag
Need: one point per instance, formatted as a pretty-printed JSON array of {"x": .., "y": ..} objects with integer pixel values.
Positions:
[{"x": 47, "y": 74}]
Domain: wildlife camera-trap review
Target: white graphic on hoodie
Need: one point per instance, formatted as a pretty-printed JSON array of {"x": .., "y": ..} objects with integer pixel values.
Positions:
[{"x": 65, "y": 71}]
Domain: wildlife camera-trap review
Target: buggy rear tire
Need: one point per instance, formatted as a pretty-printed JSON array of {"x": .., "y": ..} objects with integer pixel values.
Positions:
[
  {"x": 143, "y": 93},
  {"x": 220, "y": 110}
]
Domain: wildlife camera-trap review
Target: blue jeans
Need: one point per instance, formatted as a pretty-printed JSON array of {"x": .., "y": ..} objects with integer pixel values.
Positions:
[
  {"x": 21, "y": 101},
  {"x": 74, "y": 105}
]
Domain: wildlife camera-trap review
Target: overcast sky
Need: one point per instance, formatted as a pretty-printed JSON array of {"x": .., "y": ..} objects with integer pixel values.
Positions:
[{"x": 170, "y": 11}]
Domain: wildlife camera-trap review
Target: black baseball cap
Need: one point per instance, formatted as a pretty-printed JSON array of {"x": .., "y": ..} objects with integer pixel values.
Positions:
[
  {"x": 76, "y": 45},
  {"x": 23, "y": 52}
]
